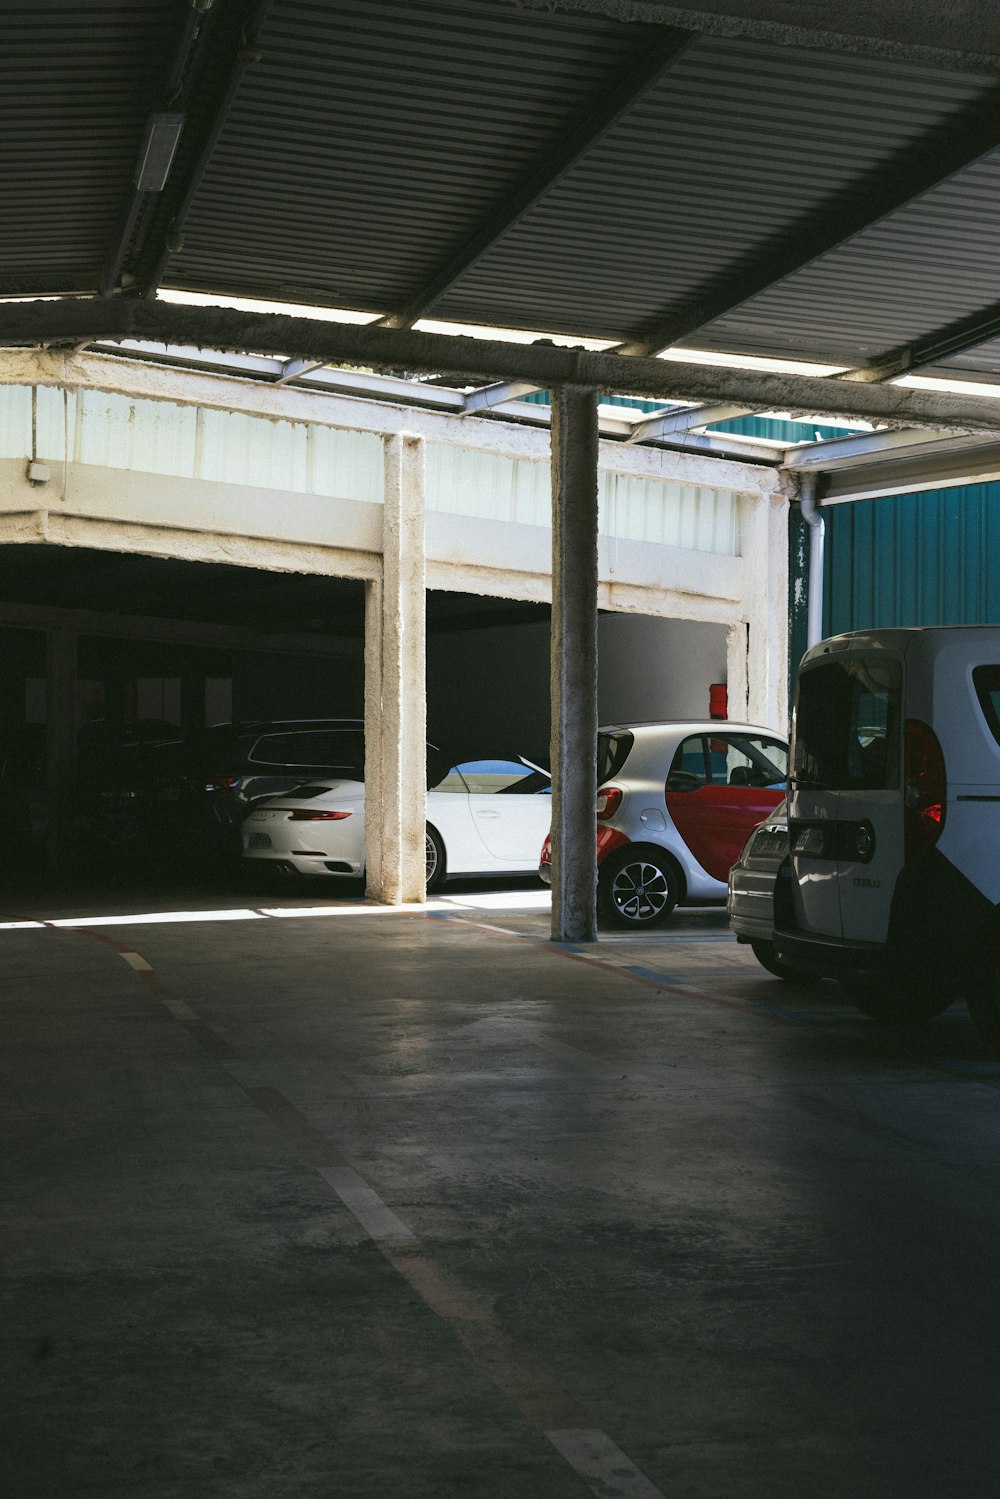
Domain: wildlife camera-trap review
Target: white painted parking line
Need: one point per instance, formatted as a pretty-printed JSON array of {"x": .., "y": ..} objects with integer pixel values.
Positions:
[
  {"x": 499, "y": 900},
  {"x": 19, "y": 926},
  {"x": 603, "y": 1467},
  {"x": 416, "y": 908},
  {"x": 136, "y": 961},
  {"x": 378, "y": 1220},
  {"x": 155, "y": 918}
]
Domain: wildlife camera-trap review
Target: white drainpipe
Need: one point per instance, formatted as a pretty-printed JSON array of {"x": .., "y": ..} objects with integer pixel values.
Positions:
[{"x": 817, "y": 537}]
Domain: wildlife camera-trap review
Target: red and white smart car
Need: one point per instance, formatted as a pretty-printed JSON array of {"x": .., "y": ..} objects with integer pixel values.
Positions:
[{"x": 675, "y": 804}]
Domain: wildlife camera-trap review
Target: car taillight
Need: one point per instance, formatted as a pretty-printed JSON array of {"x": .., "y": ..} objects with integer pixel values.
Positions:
[
  {"x": 310, "y": 814},
  {"x": 925, "y": 789},
  {"x": 222, "y": 783},
  {"x": 609, "y": 799}
]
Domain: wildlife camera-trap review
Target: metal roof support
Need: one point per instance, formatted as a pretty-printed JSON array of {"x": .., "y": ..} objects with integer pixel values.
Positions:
[
  {"x": 574, "y": 664},
  {"x": 941, "y": 153},
  {"x": 187, "y": 42},
  {"x": 489, "y": 396},
  {"x": 473, "y": 359},
  {"x": 943, "y": 343},
  {"x": 691, "y": 419},
  {"x": 585, "y": 131},
  {"x": 879, "y": 28},
  {"x": 245, "y": 56}
]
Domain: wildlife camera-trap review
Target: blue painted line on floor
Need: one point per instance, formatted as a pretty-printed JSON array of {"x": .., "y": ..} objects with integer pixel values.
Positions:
[{"x": 683, "y": 980}]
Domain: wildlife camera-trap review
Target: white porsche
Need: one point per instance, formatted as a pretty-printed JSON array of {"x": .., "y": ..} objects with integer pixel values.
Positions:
[{"x": 484, "y": 817}]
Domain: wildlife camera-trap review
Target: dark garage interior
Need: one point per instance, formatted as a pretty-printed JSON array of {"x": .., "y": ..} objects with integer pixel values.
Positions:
[{"x": 336, "y": 1195}]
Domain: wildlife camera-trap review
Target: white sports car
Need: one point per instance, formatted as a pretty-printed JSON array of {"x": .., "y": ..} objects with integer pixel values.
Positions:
[{"x": 485, "y": 817}]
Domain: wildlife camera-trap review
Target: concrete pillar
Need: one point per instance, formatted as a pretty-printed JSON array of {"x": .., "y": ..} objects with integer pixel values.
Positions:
[
  {"x": 574, "y": 664},
  {"x": 764, "y": 643},
  {"x": 192, "y": 701},
  {"x": 395, "y": 686},
  {"x": 60, "y": 744}
]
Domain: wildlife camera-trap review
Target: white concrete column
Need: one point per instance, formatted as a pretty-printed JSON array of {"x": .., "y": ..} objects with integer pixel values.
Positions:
[
  {"x": 573, "y": 667},
  {"x": 60, "y": 743},
  {"x": 395, "y": 686},
  {"x": 762, "y": 641}
]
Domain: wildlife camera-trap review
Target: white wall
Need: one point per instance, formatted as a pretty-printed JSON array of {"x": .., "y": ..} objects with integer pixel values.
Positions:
[
  {"x": 657, "y": 668},
  {"x": 489, "y": 688}
]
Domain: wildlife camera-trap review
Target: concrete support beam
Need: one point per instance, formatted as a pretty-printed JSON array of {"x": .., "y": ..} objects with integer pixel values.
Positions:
[
  {"x": 758, "y": 652},
  {"x": 395, "y": 687},
  {"x": 546, "y": 365},
  {"x": 60, "y": 743},
  {"x": 574, "y": 664}
]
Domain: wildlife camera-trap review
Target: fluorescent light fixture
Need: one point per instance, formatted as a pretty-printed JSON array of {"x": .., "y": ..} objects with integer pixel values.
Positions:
[
  {"x": 751, "y": 362},
  {"x": 253, "y": 304},
  {"x": 163, "y": 131}
]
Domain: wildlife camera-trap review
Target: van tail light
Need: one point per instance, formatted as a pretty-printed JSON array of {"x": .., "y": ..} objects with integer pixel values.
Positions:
[
  {"x": 609, "y": 799},
  {"x": 313, "y": 814},
  {"x": 925, "y": 789}
]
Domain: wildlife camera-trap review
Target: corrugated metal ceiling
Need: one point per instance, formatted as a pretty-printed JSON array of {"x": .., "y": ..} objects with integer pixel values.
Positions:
[{"x": 345, "y": 154}]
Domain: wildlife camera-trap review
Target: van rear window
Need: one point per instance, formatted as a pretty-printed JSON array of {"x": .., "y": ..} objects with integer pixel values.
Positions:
[
  {"x": 846, "y": 725},
  {"x": 986, "y": 680}
]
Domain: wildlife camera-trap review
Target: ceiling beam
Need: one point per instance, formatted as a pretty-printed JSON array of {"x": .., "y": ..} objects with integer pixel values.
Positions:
[
  {"x": 904, "y": 31},
  {"x": 245, "y": 22},
  {"x": 949, "y": 468},
  {"x": 867, "y": 447},
  {"x": 655, "y": 60},
  {"x": 173, "y": 100},
  {"x": 942, "y": 152},
  {"x": 662, "y": 423},
  {"x": 475, "y": 360},
  {"x": 488, "y": 396},
  {"x": 169, "y": 631},
  {"x": 944, "y": 343}
]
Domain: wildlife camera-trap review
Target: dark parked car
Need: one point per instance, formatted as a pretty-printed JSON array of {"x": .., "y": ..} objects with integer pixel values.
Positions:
[{"x": 189, "y": 797}]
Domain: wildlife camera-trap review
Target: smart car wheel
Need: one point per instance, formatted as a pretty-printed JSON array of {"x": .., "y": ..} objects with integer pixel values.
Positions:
[
  {"x": 433, "y": 858},
  {"x": 637, "y": 888}
]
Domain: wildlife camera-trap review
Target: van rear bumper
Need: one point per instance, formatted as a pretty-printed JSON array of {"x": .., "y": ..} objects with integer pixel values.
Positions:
[{"x": 832, "y": 955}]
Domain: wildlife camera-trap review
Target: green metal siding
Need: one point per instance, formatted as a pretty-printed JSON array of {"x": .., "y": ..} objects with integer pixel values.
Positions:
[
  {"x": 742, "y": 426},
  {"x": 931, "y": 558}
]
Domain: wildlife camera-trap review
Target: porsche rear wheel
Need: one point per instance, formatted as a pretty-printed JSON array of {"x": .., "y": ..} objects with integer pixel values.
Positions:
[{"x": 434, "y": 862}]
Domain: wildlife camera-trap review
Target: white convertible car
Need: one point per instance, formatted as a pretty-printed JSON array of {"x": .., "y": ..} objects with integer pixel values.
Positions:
[{"x": 485, "y": 817}]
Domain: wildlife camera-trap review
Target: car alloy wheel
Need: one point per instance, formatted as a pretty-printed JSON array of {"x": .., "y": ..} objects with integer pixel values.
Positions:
[
  {"x": 637, "y": 888},
  {"x": 433, "y": 859}
]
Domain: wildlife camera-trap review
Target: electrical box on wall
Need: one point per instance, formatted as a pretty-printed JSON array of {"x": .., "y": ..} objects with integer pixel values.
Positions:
[{"x": 718, "y": 700}]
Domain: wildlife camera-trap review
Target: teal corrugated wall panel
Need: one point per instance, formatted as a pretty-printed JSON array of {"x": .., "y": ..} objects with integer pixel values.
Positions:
[
  {"x": 777, "y": 429},
  {"x": 931, "y": 558},
  {"x": 742, "y": 426}
]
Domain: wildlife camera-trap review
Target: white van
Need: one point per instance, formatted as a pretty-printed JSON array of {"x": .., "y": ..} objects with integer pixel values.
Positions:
[{"x": 893, "y": 876}]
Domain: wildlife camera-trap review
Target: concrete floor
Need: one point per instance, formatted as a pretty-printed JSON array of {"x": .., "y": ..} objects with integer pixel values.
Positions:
[{"x": 356, "y": 1202}]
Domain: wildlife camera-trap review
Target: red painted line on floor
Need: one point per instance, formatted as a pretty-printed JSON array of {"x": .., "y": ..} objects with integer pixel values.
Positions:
[
  {"x": 528, "y": 1384},
  {"x": 313, "y": 1146}
]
